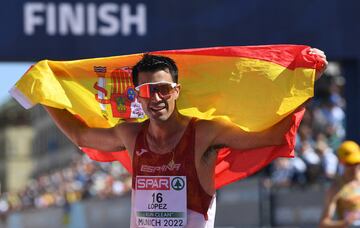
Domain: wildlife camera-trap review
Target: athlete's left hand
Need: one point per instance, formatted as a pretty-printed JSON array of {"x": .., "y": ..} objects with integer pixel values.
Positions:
[{"x": 322, "y": 58}]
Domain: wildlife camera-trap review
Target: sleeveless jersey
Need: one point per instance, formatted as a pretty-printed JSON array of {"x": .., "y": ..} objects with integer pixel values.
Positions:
[
  {"x": 180, "y": 162},
  {"x": 348, "y": 201}
]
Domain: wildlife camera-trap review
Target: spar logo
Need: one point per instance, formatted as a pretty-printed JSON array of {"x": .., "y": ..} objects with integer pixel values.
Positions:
[
  {"x": 177, "y": 183},
  {"x": 152, "y": 183}
]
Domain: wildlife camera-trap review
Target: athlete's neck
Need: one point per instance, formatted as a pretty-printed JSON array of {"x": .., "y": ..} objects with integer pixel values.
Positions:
[
  {"x": 352, "y": 174},
  {"x": 161, "y": 130}
]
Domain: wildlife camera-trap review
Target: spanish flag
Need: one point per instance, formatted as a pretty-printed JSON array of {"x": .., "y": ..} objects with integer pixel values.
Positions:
[{"x": 252, "y": 86}]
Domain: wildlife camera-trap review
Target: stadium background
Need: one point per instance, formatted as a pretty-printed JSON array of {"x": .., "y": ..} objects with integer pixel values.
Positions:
[{"x": 46, "y": 182}]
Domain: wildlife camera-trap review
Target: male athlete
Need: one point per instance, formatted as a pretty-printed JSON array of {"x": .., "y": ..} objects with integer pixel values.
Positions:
[{"x": 185, "y": 194}]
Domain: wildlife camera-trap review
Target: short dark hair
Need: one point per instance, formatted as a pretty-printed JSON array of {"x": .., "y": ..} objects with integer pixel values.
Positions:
[{"x": 153, "y": 63}]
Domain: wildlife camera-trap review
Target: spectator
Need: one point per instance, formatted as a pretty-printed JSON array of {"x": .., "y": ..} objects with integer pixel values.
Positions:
[
  {"x": 282, "y": 172},
  {"x": 329, "y": 161},
  {"x": 81, "y": 180},
  {"x": 312, "y": 161}
]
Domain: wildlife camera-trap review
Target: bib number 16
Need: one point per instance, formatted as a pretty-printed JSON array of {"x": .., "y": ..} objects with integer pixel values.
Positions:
[{"x": 157, "y": 197}]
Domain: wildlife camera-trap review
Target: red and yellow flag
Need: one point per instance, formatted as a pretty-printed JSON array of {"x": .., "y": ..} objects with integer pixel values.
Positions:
[{"x": 253, "y": 86}]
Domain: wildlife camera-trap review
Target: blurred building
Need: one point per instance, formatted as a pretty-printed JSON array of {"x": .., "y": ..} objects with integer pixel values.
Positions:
[
  {"x": 16, "y": 135},
  {"x": 30, "y": 144},
  {"x": 51, "y": 149}
]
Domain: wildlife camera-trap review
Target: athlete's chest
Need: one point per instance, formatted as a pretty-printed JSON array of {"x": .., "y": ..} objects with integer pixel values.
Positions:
[{"x": 349, "y": 196}]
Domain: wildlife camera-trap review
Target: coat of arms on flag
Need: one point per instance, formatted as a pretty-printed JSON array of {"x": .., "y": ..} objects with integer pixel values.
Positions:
[{"x": 117, "y": 90}]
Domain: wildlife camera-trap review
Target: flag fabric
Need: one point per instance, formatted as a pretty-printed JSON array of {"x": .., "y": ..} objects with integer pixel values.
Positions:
[{"x": 252, "y": 86}]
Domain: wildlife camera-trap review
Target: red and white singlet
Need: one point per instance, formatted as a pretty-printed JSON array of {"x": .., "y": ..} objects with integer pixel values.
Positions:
[{"x": 166, "y": 191}]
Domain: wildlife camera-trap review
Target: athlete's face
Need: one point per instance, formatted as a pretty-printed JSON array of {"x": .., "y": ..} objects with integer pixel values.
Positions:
[
  {"x": 157, "y": 106},
  {"x": 352, "y": 169}
]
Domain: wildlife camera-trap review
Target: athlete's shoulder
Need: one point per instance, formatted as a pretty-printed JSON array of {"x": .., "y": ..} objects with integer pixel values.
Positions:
[
  {"x": 129, "y": 128},
  {"x": 336, "y": 187},
  {"x": 128, "y": 132},
  {"x": 207, "y": 130},
  {"x": 211, "y": 124}
]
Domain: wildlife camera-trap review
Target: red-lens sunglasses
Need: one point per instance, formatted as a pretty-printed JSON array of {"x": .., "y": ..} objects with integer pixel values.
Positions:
[{"x": 163, "y": 88}]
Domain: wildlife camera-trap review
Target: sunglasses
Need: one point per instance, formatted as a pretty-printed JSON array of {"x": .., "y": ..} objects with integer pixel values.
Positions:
[
  {"x": 163, "y": 88},
  {"x": 351, "y": 164}
]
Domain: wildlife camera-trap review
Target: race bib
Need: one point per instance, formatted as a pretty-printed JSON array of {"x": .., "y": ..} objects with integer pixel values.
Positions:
[
  {"x": 353, "y": 216},
  {"x": 160, "y": 201}
]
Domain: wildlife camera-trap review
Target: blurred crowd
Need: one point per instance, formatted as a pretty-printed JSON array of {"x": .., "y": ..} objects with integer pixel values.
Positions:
[
  {"x": 320, "y": 134},
  {"x": 81, "y": 180}
]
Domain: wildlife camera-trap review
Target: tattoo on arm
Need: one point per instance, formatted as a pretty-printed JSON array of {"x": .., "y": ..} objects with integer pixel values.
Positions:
[
  {"x": 217, "y": 147},
  {"x": 213, "y": 149},
  {"x": 122, "y": 148}
]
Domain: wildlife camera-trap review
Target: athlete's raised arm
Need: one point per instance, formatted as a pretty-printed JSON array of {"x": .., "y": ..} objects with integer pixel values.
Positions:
[
  {"x": 228, "y": 134},
  {"x": 105, "y": 139},
  {"x": 224, "y": 133}
]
